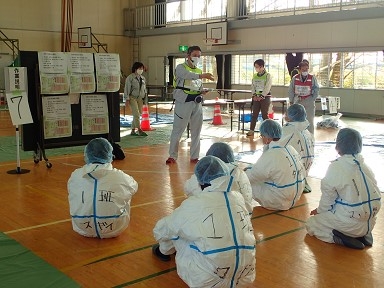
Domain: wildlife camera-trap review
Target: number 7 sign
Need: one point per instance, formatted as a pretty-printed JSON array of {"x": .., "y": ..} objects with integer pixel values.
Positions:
[
  {"x": 19, "y": 108},
  {"x": 17, "y": 97}
]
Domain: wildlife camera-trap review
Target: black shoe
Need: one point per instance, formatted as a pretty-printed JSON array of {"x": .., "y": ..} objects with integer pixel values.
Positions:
[
  {"x": 367, "y": 240},
  {"x": 346, "y": 241},
  {"x": 158, "y": 254},
  {"x": 307, "y": 188}
]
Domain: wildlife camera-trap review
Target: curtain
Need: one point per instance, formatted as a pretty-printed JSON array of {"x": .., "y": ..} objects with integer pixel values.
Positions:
[
  {"x": 292, "y": 61},
  {"x": 219, "y": 70},
  {"x": 66, "y": 25},
  {"x": 227, "y": 71},
  {"x": 171, "y": 70}
]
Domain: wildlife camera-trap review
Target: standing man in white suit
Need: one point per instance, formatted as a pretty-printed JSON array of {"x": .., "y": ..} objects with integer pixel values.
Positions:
[{"x": 188, "y": 95}]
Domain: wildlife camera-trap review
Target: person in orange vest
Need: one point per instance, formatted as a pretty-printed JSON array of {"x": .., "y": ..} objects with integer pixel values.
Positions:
[
  {"x": 296, "y": 70},
  {"x": 187, "y": 96},
  {"x": 304, "y": 90}
]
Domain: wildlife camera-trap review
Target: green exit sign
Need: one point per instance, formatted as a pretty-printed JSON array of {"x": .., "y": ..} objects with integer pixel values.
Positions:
[{"x": 183, "y": 48}]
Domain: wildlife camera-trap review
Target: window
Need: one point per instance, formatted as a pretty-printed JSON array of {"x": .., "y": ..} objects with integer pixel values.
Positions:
[
  {"x": 380, "y": 70},
  {"x": 319, "y": 66},
  {"x": 276, "y": 66},
  {"x": 347, "y": 70},
  {"x": 353, "y": 70},
  {"x": 243, "y": 69},
  {"x": 335, "y": 77},
  {"x": 209, "y": 66},
  {"x": 365, "y": 70},
  {"x": 216, "y": 8},
  {"x": 266, "y": 6},
  {"x": 187, "y": 10},
  {"x": 173, "y": 12}
]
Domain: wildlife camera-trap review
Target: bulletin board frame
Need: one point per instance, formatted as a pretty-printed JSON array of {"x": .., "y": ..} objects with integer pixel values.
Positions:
[{"x": 32, "y": 135}]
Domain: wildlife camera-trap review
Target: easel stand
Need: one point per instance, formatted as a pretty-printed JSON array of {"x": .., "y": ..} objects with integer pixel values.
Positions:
[{"x": 18, "y": 169}]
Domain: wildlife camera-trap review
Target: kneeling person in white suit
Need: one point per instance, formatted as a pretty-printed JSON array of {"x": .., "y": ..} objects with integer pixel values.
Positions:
[
  {"x": 240, "y": 180},
  {"x": 100, "y": 195},
  {"x": 350, "y": 198},
  {"x": 210, "y": 231},
  {"x": 295, "y": 133},
  {"x": 277, "y": 178}
]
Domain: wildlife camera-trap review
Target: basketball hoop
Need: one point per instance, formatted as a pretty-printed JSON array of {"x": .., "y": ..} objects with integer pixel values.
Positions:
[
  {"x": 80, "y": 44},
  {"x": 84, "y": 37},
  {"x": 209, "y": 42}
]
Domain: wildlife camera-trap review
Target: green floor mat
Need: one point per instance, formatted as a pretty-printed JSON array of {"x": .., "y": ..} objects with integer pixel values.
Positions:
[
  {"x": 160, "y": 135},
  {"x": 19, "y": 267}
]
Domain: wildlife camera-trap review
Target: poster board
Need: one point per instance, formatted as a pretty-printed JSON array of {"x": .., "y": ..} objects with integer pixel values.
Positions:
[{"x": 32, "y": 134}]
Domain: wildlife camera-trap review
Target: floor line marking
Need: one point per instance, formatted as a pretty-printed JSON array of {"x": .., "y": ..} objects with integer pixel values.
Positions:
[
  {"x": 172, "y": 269},
  {"x": 67, "y": 220},
  {"x": 145, "y": 278}
]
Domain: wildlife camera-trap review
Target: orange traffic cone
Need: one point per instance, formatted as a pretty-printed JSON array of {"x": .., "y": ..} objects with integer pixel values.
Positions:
[
  {"x": 271, "y": 114},
  {"x": 217, "y": 115},
  {"x": 145, "y": 125}
]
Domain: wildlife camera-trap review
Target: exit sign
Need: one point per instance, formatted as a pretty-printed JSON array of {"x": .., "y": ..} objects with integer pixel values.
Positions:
[{"x": 183, "y": 48}]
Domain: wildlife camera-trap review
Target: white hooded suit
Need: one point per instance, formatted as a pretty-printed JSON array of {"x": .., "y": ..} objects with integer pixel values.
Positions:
[
  {"x": 240, "y": 183},
  {"x": 213, "y": 236},
  {"x": 99, "y": 200},
  {"x": 277, "y": 178},
  {"x": 349, "y": 202},
  {"x": 297, "y": 135}
]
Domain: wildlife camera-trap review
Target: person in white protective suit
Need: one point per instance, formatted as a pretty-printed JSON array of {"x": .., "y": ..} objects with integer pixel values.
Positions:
[
  {"x": 295, "y": 133},
  {"x": 240, "y": 180},
  {"x": 188, "y": 95},
  {"x": 277, "y": 178},
  {"x": 210, "y": 232},
  {"x": 350, "y": 198},
  {"x": 100, "y": 195}
]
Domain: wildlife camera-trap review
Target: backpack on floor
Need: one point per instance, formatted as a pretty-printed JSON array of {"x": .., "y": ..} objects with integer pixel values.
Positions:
[{"x": 118, "y": 152}]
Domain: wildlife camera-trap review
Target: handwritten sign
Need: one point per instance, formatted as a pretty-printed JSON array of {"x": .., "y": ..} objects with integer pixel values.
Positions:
[
  {"x": 19, "y": 108},
  {"x": 16, "y": 92}
]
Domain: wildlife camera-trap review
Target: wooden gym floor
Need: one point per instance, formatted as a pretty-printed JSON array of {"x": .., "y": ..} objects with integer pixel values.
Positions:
[{"x": 34, "y": 211}]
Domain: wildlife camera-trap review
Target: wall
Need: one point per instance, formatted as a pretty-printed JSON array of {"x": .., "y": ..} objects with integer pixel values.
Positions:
[
  {"x": 37, "y": 25},
  {"x": 352, "y": 35}
]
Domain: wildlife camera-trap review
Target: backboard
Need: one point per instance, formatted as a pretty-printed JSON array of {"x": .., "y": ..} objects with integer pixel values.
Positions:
[
  {"x": 217, "y": 31},
  {"x": 85, "y": 37}
]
